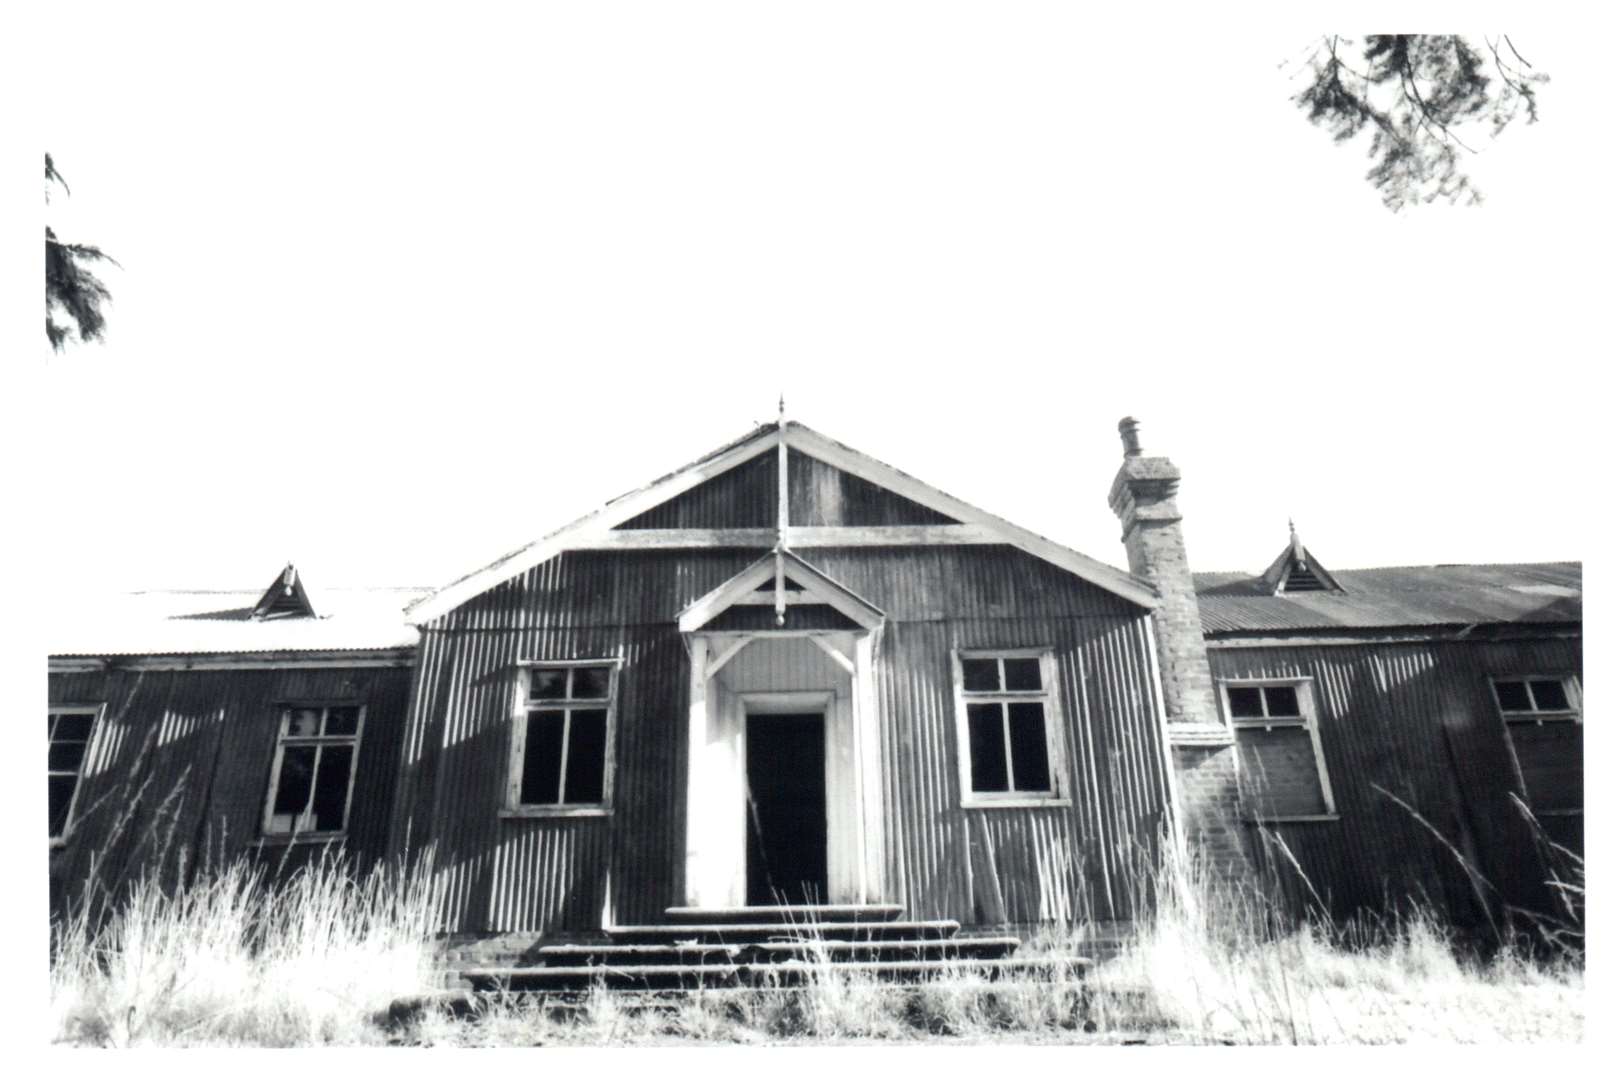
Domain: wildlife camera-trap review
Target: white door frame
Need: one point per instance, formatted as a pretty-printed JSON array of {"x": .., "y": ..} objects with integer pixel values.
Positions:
[{"x": 716, "y": 838}]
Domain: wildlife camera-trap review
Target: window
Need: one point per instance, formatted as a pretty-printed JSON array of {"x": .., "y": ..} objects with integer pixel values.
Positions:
[
  {"x": 1282, "y": 774},
  {"x": 68, "y": 731},
  {"x": 1543, "y": 717},
  {"x": 1537, "y": 700},
  {"x": 1006, "y": 726},
  {"x": 313, "y": 776},
  {"x": 562, "y": 742}
]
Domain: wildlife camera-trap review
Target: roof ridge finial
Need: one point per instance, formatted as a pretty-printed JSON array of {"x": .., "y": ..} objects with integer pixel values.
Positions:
[{"x": 781, "y": 409}]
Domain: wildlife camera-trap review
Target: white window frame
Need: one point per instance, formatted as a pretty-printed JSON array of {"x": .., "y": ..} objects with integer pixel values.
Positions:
[
  {"x": 522, "y": 706},
  {"x": 1533, "y": 715},
  {"x": 271, "y": 835},
  {"x": 1047, "y": 696},
  {"x": 1512, "y": 718},
  {"x": 1305, "y": 693},
  {"x": 94, "y": 712}
]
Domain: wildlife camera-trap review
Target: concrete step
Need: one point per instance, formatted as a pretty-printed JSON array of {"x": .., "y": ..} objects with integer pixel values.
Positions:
[
  {"x": 842, "y": 952},
  {"x": 745, "y": 933},
  {"x": 786, "y": 972},
  {"x": 798, "y": 972},
  {"x": 785, "y": 914},
  {"x": 629, "y": 977},
  {"x": 622, "y": 955}
]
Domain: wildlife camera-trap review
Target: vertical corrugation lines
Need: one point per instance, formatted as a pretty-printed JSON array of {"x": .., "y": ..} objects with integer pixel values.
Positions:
[
  {"x": 549, "y": 875},
  {"x": 1416, "y": 719}
]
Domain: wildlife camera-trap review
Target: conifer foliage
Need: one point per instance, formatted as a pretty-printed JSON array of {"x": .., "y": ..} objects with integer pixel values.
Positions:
[
  {"x": 1419, "y": 95},
  {"x": 72, "y": 291}
]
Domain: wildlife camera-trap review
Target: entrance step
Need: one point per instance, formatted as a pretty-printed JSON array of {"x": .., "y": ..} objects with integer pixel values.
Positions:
[
  {"x": 784, "y": 914},
  {"x": 843, "y": 952},
  {"x": 798, "y": 972},
  {"x": 784, "y": 973},
  {"x": 744, "y": 933},
  {"x": 629, "y": 977}
]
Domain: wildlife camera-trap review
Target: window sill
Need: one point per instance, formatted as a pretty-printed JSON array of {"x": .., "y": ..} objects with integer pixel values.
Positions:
[
  {"x": 58, "y": 842},
  {"x": 1558, "y": 813},
  {"x": 1290, "y": 819},
  {"x": 298, "y": 839},
  {"x": 1024, "y": 803},
  {"x": 554, "y": 811}
]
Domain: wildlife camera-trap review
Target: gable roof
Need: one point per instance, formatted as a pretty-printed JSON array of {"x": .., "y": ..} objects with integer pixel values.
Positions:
[
  {"x": 592, "y": 526},
  {"x": 812, "y": 586},
  {"x": 1396, "y": 596},
  {"x": 1295, "y": 569},
  {"x": 285, "y": 597}
]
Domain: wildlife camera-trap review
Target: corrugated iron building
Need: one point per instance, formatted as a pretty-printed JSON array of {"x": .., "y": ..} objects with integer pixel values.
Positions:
[
  {"x": 992, "y": 728},
  {"x": 1427, "y": 764}
]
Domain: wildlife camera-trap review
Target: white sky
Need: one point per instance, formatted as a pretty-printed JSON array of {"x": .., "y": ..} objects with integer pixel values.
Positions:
[{"x": 403, "y": 288}]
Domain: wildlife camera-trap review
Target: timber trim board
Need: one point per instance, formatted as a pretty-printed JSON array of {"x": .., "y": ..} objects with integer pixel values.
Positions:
[
  {"x": 816, "y": 587},
  {"x": 402, "y": 657},
  {"x": 586, "y": 533}
]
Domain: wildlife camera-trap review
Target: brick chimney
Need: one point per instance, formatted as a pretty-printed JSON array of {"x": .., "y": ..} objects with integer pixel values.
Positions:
[
  {"x": 1144, "y": 499},
  {"x": 1201, "y": 750}
]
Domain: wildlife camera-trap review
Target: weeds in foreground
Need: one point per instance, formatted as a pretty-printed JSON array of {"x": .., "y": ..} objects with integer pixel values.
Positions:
[
  {"x": 319, "y": 960},
  {"x": 231, "y": 959}
]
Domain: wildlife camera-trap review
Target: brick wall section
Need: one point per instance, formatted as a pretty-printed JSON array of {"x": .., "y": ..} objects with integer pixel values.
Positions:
[
  {"x": 1207, "y": 781},
  {"x": 1143, "y": 496}
]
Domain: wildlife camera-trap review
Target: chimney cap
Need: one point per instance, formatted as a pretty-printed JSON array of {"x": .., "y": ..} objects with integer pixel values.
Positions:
[{"x": 1128, "y": 435}]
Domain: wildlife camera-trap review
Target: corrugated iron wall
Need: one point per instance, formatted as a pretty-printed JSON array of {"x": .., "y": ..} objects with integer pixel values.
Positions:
[
  {"x": 555, "y": 876},
  {"x": 1418, "y": 720},
  {"x": 821, "y": 494},
  {"x": 180, "y": 762}
]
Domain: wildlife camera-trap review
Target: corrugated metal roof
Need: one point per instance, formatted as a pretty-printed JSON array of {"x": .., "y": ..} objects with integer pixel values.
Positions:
[
  {"x": 1397, "y": 596},
  {"x": 177, "y": 622}
]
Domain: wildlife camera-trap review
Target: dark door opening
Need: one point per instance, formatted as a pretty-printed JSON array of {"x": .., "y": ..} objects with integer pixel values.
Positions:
[{"x": 787, "y": 809}]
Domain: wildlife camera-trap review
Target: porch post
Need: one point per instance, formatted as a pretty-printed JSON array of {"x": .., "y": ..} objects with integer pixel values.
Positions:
[
  {"x": 697, "y": 736},
  {"x": 868, "y": 769}
]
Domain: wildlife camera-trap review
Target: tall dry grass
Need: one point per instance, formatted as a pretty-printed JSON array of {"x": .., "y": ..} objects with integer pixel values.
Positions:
[{"x": 233, "y": 959}]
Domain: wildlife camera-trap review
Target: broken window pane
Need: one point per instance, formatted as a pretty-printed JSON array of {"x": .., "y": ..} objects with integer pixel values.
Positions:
[
  {"x": 1026, "y": 723},
  {"x": 1245, "y": 701},
  {"x": 1023, "y": 673},
  {"x": 332, "y": 787},
  {"x": 1281, "y": 701},
  {"x": 987, "y": 751},
  {"x": 548, "y": 684},
  {"x": 343, "y": 720},
  {"x": 1549, "y": 695},
  {"x": 304, "y": 722},
  {"x": 979, "y": 673},
  {"x": 73, "y": 726},
  {"x": 66, "y": 756},
  {"x": 1512, "y": 695},
  {"x": 587, "y": 754},
  {"x": 61, "y": 788},
  {"x": 590, "y": 683},
  {"x": 542, "y": 758},
  {"x": 297, "y": 774}
]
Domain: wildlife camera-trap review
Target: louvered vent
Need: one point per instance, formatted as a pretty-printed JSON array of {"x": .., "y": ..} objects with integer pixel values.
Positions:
[{"x": 1300, "y": 579}]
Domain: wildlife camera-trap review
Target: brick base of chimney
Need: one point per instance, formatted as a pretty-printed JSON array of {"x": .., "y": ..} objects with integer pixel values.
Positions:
[{"x": 1211, "y": 819}]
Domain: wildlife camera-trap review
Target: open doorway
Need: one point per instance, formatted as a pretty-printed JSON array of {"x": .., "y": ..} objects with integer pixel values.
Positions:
[{"x": 787, "y": 808}]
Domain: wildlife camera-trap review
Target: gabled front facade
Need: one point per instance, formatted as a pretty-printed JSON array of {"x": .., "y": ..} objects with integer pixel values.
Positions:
[
  {"x": 968, "y": 710},
  {"x": 789, "y": 673}
]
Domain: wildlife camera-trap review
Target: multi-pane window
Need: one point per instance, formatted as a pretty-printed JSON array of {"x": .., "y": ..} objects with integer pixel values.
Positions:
[
  {"x": 1005, "y": 724},
  {"x": 313, "y": 775},
  {"x": 563, "y": 743},
  {"x": 1281, "y": 771},
  {"x": 1543, "y": 716},
  {"x": 68, "y": 731}
]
